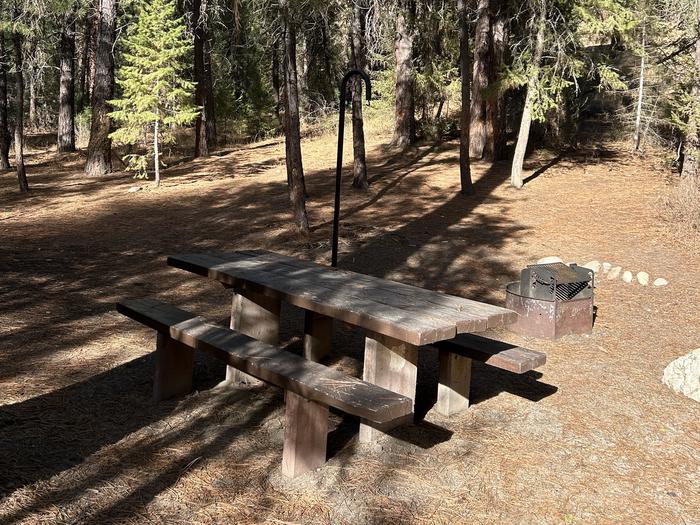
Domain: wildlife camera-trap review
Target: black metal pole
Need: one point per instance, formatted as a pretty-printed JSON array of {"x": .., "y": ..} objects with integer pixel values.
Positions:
[{"x": 339, "y": 164}]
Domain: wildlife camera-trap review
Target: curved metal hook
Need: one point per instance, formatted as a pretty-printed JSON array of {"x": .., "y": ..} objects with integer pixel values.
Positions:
[{"x": 339, "y": 163}]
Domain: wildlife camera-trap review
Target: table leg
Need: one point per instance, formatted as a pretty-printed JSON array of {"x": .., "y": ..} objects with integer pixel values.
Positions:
[
  {"x": 391, "y": 364},
  {"x": 174, "y": 368},
  {"x": 305, "y": 435},
  {"x": 318, "y": 333},
  {"x": 257, "y": 316},
  {"x": 453, "y": 384}
]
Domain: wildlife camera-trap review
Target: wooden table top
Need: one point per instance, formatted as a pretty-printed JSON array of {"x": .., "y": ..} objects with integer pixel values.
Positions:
[{"x": 408, "y": 313}]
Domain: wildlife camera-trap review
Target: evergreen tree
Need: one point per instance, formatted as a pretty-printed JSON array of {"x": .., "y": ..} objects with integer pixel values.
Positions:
[{"x": 156, "y": 97}]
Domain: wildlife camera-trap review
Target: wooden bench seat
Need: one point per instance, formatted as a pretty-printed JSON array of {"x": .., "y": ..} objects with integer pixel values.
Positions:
[
  {"x": 310, "y": 388},
  {"x": 456, "y": 357}
]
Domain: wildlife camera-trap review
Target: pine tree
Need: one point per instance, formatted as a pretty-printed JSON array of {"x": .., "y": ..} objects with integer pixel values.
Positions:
[{"x": 156, "y": 97}]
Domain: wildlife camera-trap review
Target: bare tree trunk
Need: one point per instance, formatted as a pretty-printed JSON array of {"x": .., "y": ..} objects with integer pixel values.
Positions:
[
  {"x": 19, "y": 110},
  {"x": 156, "y": 153},
  {"x": 405, "y": 124},
  {"x": 358, "y": 53},
  {"x": 99, "y": 152},
  {"x": 276, "y": 83},
  {"x": 465, "y": 175},
  {"x": 205, "y": 126},
  {"x": 85, "y": 59},
  {"x": 480, "y": 80},
  {"x": 66, "y": 90},
  {"x": 295, "y": 169},
  {"x": 516, "y": 173},
  {"x": 495, "y": 103},
  {"x": 691, "y": 161},
  {"x": 640, "y": 98},
  {"x": 5, "y": 137},
  {"x": 32, "y": 75}
]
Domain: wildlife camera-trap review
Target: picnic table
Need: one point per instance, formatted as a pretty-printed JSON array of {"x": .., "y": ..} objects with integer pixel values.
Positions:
[{"x": 399, "y": 319}]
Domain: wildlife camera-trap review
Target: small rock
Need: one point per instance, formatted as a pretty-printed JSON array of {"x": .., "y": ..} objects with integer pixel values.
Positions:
[
  {"x": 606, "y": 267},
  {"x": 134, "y": 189},
  {"x": 683, "y": 375},
  {"x": 627, "y": 277},
  {"x": 660, "y": 282},
  {"x": 614, "y": 273},
  {"x": 549, "y": 260},
  {"x": 643, "y": 278},
  {"x": 593, "y": 265}
]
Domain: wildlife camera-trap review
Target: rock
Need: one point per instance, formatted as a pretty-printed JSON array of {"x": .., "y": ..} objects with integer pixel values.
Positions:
[
  {"x": 606, "y": 267},
  {"x": 614, "y": 273},
  {"x": 627, "y": 276},
  {"x": 549, "y": 260},
  {"x": 660, "y": 282},
  {"x": 683, "y": 375},
  {"x": 643, "y": 278},
  {"x": 134, "y": 189},
  {"x": 593, "y": 265}
]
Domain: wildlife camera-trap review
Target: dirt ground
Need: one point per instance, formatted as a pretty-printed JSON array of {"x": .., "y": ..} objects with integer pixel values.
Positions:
[{"x": 593, "y": 437}]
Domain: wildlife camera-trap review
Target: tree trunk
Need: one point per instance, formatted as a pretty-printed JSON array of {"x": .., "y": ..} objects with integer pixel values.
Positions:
[
  {"x": 640, "y": 97},
  {"x": 276, "y": 83},
  {"x": 295, "y": 169},
  {"x": 32, "y": 75},
  {"x": 480, "y": 80},
  {"x": 205, "y": 126},
  {"x": 66, "y": 90},
  {"x": 85, "y": 60},
  {"x": 19, "y": 111},
  {"x": 691, "y": 160},
  {"x": 156, "y": 153},
  {"x": 516, "y": 173},
  {"x": 495, "y": 102},
  {"x": 358, "y": 54},
  {"x": 405, "y": 125},
  {"x": 465, "y": 176},
  {"x": 99, "y": 152},
  {"x": 5, "y": 136}
]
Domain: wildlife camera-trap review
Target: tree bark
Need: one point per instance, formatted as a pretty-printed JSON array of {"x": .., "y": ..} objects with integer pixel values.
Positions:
[
  {"x": 516, "y": 173},
  {"x": 405, "y": 125},
  {"x": 19, "y": 111},
  {"x": 156, "y": 153},
  {"x": 66, "y": 90},
  {"x": 276, "y": 83},
  {"x": 640, "y": 98},
  {"x": 5, "y": 137},
  {"x": 205, "y": 125},
  {"x": 358, "y": 56},
  {"x": 32, "y": 74},
  {"x": 85, "y": 59},
  {"x": 465, "y": 176},
  {"x": 691, "y": 161},
  {"x": 295, "y": 169},
  {"x": 495, "y": 103},
  {"x": 99, "y": 152},
  {"x": 480, "y": 80}
]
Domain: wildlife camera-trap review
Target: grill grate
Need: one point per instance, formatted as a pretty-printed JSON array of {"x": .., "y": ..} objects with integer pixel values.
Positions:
[{"x": 556, "y": 282}]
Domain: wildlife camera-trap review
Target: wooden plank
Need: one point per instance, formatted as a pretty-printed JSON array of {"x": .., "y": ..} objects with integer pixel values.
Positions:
[
  {"x": 318, "y": 334},
  {"x": 453, "y": 383},
  {"x": 380, "y": 318},
  {"x": 174, "y": 368},
  {"x": 305, "y": 435},
  {"x": 279, "y": 367},
  {"x": 494, "y": 353},
  {"x": 256, "y": 316},
  {"x": 393, "y": 365},
  {"x": 467, "y": 315}
]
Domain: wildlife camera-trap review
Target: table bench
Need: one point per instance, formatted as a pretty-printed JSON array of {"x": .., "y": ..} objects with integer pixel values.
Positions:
[
  {"x": 310, "y": 388},
  {"x": 399, "y": 320}
]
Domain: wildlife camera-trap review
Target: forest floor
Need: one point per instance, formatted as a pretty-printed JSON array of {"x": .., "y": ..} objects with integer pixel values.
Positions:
[{"x": 593, "y": 437}]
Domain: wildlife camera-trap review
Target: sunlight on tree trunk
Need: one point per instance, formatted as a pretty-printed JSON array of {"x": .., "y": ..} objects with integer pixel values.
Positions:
[
  {"x": 465, "y": 176},
  {"x": 516, "y": 173},
  {"x": 19, "y": 111},
  {"x": 358, "y": 53},
  {"x": 480, "y": 80},
  {"x": 405, "y": 125}
]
